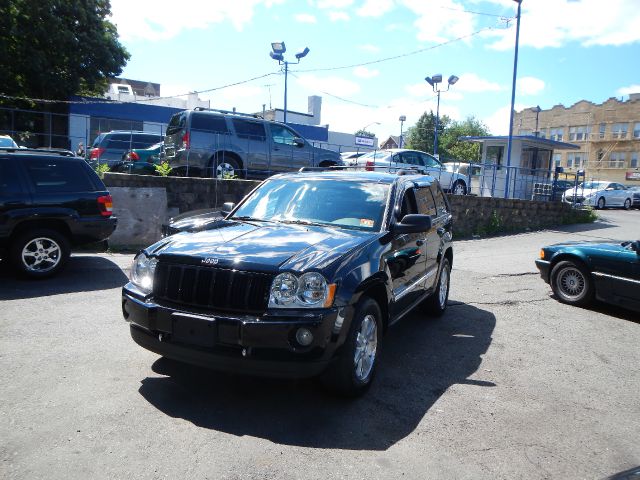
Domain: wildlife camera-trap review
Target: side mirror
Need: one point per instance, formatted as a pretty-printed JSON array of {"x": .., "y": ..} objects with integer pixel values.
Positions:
[
  {"x": 414, "y": 223},
  {"x": 227, "y": 207},
  {"x": 298, "y": 142},
  {"x": 636, "y": 246}
]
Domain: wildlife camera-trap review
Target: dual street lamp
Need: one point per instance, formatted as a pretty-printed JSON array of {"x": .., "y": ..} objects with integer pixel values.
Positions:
[
  {"x": 277, "y": 53},
  {"x": 434, "y": 82}
]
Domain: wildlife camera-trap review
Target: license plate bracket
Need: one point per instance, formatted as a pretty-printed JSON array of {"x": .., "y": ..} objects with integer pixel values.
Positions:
[{"x": 193, "y": 330}]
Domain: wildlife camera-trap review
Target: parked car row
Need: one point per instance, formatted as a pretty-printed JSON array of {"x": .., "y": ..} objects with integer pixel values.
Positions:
[{"x": 600, "y": 194}]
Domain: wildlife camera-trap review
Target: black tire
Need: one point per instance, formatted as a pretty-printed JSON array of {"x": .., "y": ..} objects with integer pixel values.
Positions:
[
  {"x": 226, "y": 164},
  {"x": 350, "y": 376},
  {"x": 627, "y": 204},
  {"x": 39, "y": 253},
  {"x": 601, "y": 203},
  {"x": 459, "y": 188},
  {"x": 571, "y": 283},
  {"x": 436, "y": 304}
]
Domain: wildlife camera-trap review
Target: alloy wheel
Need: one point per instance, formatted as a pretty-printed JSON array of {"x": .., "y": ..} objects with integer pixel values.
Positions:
[
  {"x": 571, "y": 282},
  {"x": 366, "y": 347},
  {"x": 41, "y": 255}
]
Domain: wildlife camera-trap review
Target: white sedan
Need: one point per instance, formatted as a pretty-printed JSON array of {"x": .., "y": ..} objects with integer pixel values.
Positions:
[
  {"x": 402, "y": 158},
  {"x": 600, "y": 194}
]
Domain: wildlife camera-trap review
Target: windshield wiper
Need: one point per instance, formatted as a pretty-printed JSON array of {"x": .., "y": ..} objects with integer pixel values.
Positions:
[
  {"x": 304, "y": 222},
  {"x": 247, "y": 218}
]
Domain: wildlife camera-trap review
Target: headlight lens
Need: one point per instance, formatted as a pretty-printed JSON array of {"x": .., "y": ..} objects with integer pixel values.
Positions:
[
  {"x": 142, "y": 272},
  {"x": 309, "y": 290}
]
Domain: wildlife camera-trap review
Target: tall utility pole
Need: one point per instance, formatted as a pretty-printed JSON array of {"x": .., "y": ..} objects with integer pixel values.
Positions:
[{"x": 513, "y": 99}]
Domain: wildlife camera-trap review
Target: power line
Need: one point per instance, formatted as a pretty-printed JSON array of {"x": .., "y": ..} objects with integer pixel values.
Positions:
[{"x": 476, "y": 13}]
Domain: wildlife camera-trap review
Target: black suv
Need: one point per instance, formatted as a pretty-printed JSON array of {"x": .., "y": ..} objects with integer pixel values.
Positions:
[
  {"x": 48, "y": 203},
  {"x": 300, "y": 279},
  {"x": 219, "y": 143}
]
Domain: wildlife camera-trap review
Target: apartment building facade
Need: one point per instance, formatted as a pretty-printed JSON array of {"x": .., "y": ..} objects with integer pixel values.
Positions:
[{"x": 608, "y": 135}]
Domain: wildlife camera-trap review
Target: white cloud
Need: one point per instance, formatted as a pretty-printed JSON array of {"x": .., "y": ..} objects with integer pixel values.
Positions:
[
  {"x": 529, "y": 85},
  {"x": 375, "y": 8},
  {"x": 438, "y": 23},
  {"x": 418, "y": 89},
  {"x": 369, "y": 48},
  {"x": 554, "y": 23},
  {"x": 498, "y": 122},
  {"x": 334, "y": 3},
  {"x": 333, "y": 85},
  {"x": 305, "y": 18},
  {"x": 364, "y": 72},
  {"x": 471, "y": 82},
  {"x": 629, "y": 90},
  {"x": 161, "y": 20},
  {"x": 337, "y": 16}
]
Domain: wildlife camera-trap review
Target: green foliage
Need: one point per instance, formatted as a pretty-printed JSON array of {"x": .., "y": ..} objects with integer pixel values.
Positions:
[
  {"x": 451, "y": 148},
  {"x": 227, "y": 175},
  {"x": 57, "y": 48},
  {"x": 364, "y": 133},
  {"x": 421, "y": 135},
  {"x": 101, "y": 169},
  {"x": 163, "y": 169}
]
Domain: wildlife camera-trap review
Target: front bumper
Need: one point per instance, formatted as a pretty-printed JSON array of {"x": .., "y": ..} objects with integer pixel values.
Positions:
[
  {"x": 264, "y": 345},
  {"x": 545, "y": 269}
]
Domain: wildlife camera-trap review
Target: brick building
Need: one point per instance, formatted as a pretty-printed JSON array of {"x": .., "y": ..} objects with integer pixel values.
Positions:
[{"x": 608, "y": 135}]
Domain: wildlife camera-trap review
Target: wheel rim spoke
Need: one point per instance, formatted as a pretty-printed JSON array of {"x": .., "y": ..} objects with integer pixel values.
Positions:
[{"x": 365, "y": 348}]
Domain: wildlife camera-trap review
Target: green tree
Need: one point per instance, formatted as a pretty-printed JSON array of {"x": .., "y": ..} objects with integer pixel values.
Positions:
[
  {"x": 364, "y": 133},
  {"x": 450, "y": 148},
  {"x": 56, "y": 48},
  {"x": 421, "y": 135}
]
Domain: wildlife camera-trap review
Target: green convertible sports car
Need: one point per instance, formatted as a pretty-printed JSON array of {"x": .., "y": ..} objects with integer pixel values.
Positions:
[{"x": 580, "y": 272}]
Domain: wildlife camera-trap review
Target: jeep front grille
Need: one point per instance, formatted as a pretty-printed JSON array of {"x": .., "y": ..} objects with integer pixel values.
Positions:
[{"x": 212, "y": 288}]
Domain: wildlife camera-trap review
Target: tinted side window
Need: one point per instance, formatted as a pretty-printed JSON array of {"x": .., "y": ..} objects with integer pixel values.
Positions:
[
  {"x": 177, "y": 123},
  {"x": 56, "y": 175},
  {"x": 410, "y": 158},
  {"x": 250, "y": 130},
  {"x": 9, "y": 178},
  {"x": 282, "y": 135},
  {"x": 209, "y": 123},
  {"x": 408, "y": 204},
  {"x": 442, "y": 207},
  {"x": 429, "y": 161},
  {"x": 426, "y": 204}
]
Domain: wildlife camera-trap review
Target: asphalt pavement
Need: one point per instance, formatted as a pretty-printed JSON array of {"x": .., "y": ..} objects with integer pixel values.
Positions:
[{"x": 509, "y": 383}]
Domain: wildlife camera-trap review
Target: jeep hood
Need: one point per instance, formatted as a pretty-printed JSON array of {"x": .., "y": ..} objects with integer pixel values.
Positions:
[{"x": 259, "y": 246}]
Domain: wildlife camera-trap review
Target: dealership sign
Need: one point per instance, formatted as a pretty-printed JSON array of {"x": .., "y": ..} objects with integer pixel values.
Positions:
[
  {"x": 364, "y": 141},
  {"x": 633, "y": 175}
]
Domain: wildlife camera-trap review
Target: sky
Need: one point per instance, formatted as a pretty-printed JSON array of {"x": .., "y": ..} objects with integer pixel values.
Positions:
[{"x": 368, "y": 59}]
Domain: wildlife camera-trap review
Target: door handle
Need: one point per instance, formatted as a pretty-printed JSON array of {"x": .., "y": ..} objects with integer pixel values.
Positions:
[{"x": 440, "y": 231}]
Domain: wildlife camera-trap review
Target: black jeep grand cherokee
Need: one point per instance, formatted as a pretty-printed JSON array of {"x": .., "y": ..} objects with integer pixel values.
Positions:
[{"x": 300, "y": 279}]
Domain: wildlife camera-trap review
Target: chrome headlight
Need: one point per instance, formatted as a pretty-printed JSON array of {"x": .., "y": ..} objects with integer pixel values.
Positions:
[
  {"x": 309, "y": 290},
  {"x": 142, "y": 272}
]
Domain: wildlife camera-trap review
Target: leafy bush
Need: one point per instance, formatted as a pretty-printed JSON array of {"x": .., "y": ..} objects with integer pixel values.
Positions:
[
  {"x": 163, "y": 169},
  {"x": 101, "y": 169}
]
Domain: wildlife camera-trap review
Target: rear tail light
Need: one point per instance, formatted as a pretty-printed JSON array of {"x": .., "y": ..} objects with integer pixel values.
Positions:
[
  {"x": 95, "y": 153},
  {"x": 133, "y": 156},
  {"x": 369, "y": 165},
  {"x": 185, "y": 140},
  {"x": 105, "y": 204}
]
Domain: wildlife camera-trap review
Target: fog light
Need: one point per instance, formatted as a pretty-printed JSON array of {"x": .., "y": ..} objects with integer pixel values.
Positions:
[{"x": 304, "y": 337}]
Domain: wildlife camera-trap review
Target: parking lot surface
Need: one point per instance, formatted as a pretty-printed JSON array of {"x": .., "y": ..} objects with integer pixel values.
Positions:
[{"x": 509, "y": 383}]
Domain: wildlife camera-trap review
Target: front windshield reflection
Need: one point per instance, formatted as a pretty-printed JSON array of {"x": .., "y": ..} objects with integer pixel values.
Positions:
[{"x": 344, "y": 204}]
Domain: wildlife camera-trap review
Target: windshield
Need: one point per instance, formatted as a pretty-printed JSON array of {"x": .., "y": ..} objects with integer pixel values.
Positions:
[
  {"x": 349, "y": 204},
  {"x": 594, "y": 185}
]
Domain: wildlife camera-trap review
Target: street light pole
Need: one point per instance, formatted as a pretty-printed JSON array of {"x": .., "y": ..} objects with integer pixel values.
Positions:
[
  {"x": 513, "y": 98},
  {"x": 402, "y": 119},
  {"x": 277, "y": 53},
  {"x": 434, "y": 81}
]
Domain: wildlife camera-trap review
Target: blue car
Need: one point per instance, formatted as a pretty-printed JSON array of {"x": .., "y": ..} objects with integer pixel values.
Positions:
[{"x": 580, "y": 272}]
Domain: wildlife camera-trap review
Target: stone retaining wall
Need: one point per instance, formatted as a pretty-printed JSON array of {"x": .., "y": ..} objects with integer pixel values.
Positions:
[{"x": 472, "y": 215}]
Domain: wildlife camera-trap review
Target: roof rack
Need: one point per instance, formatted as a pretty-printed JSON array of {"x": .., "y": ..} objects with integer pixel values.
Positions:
[
  {"x": 44, "y": 151},
  {"x": 228, "y": 112}
]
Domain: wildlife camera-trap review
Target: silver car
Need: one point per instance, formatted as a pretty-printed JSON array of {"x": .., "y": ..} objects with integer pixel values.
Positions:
[{"x": 399, "y": 158}]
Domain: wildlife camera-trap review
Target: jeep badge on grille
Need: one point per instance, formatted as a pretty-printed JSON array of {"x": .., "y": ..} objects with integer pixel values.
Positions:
[{"x": 209, "y": 261}]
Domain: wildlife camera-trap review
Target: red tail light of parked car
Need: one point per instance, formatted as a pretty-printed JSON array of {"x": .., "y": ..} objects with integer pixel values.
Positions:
[
  {"x": 369, "y": 165},
  {"x": 185, "y": 140},
  {"x": 95, "y": 153},
  {"x": 105, "y": 203}
]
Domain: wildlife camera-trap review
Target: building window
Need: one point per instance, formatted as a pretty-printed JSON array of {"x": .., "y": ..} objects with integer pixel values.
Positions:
[
  {"x": 634, "y": 160},
  {"x": 617, "y": 159},
  {"x": 636, "y": 130},
  {"x": 619, "y": 130},
  {"x": 603, "y": 129},
  {"x": 556, "y": 134},
  {"x": 542, "y": 133},
  {"x": 579, "y": 134},
  {"x": 575, "y": 160},
  {"x": 557, "y": 159},
  {"x": 524, "y": 131}
]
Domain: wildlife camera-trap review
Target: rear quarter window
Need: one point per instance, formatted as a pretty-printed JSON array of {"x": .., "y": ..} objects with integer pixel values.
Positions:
[
  {"x": 442, "y": 206},
  {"x": 208, "y": 123},
  {"x": 249, "y": 130},
  {"x": 177, "y": 123},
  {"x": 55, "y": 175}
]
